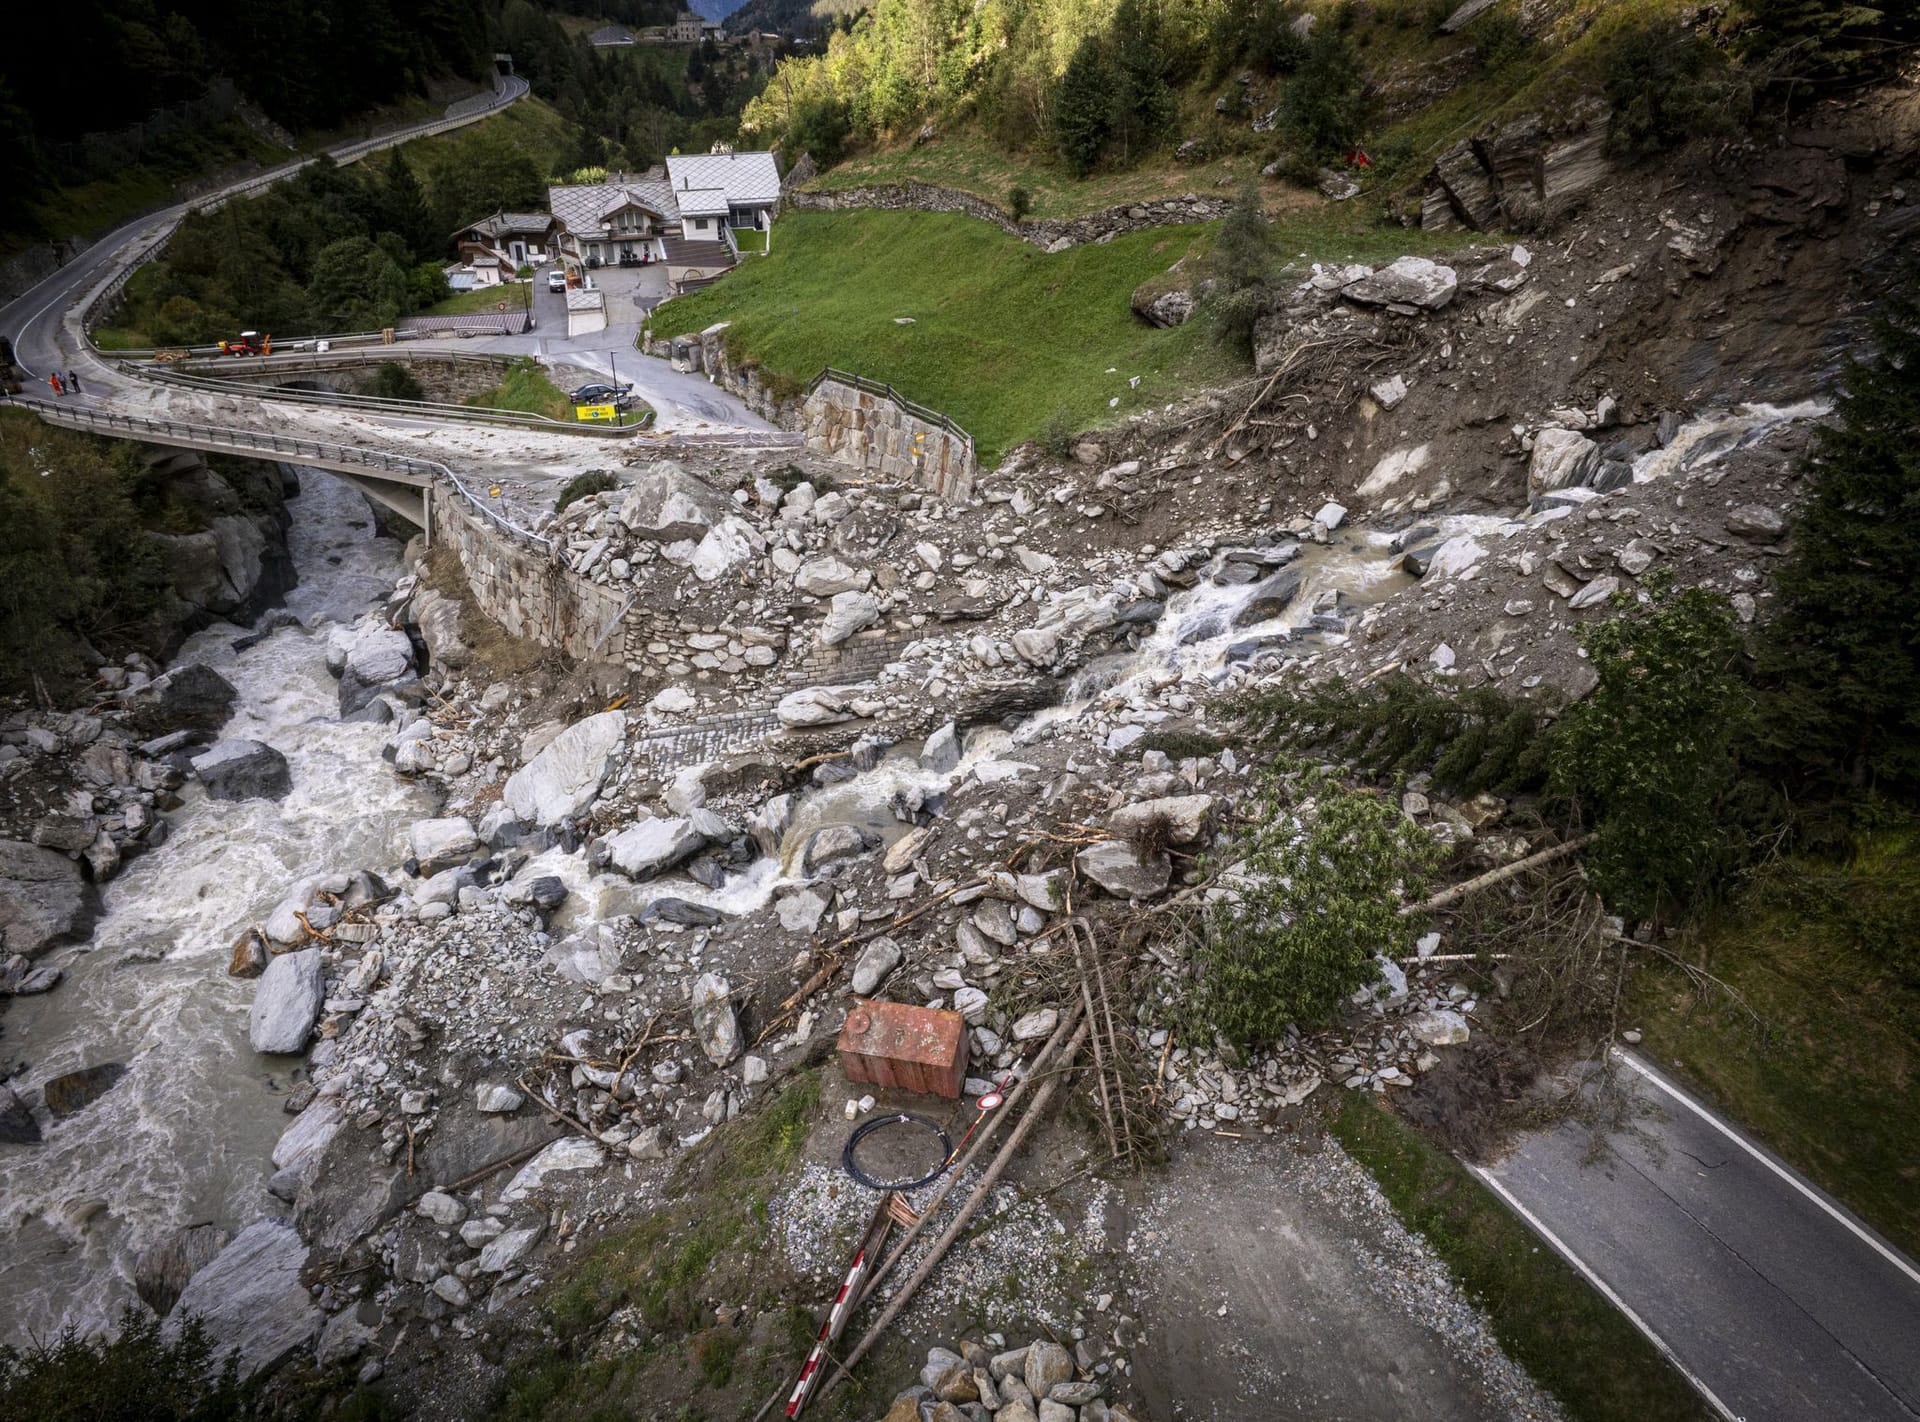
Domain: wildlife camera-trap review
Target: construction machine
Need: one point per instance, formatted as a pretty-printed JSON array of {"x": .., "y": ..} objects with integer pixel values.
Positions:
[{"x": 251, "y": 343}]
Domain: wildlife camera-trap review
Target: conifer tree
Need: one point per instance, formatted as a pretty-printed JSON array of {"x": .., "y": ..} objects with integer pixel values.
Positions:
[
  {"x": 1842, "y": 659},
  {"x": 1082, "y": 107}
]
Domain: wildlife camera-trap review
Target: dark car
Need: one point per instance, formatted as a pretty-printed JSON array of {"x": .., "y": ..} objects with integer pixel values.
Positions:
[{"x": 601, "y": 394}]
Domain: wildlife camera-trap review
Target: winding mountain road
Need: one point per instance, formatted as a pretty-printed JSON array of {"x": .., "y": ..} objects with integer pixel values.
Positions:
[{"x": 1776, "y": 1302}]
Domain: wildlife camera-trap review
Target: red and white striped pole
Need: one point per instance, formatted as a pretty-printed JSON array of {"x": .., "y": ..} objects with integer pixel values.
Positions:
[{"x": 810, "y": 1374}]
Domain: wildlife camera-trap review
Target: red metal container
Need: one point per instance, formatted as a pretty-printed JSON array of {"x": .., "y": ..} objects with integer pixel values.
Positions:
[{"x": 914, "y": 1048}]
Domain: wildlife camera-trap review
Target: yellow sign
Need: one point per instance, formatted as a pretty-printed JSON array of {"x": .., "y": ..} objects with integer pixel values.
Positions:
[{"x": 596, "y": 412}]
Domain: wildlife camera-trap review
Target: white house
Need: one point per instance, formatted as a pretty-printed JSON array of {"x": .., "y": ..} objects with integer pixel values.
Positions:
[{"x": 751, "y": 182}]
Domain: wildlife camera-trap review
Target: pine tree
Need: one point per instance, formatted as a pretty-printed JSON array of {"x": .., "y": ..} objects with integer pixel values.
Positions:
[
  {"x": 1081, "y": 108},
  {"x": 404, "y": 211},
  {"x": 1242, "y": 254},
  {"x": 1842, "y": 660},
  {"x": 1143, "y": 106}
]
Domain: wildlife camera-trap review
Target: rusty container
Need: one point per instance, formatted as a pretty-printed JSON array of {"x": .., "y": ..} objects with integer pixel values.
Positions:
[{"x": 914, "y": 1048}]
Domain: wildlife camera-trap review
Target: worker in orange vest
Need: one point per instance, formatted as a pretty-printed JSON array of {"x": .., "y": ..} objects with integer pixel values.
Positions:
[{"x": 54, "y": 381}]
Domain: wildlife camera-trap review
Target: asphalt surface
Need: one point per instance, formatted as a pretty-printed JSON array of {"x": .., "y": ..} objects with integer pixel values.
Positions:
[{"x": 1778, "y": 1303}]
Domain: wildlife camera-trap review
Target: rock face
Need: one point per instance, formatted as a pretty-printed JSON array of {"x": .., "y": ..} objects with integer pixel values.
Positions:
[
  {"x": 562, "y": 780},
  {"x": 43, "y": 899},
  {"x": 1519, "y": 174},
  {"x": 190, "y": 698},
  {"x": 287, "y": 1002},
  {"x": 243, "y": 770},
  {"x": 72, "y": 1093},
  {"x": 250, "y": 1298},
  {"x": 161, "y": 1271},
  {"x": 1408, "y": 284}
]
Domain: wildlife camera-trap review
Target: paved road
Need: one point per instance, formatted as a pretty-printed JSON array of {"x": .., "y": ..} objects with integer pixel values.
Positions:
[{"x": 1778, "y": 1303}]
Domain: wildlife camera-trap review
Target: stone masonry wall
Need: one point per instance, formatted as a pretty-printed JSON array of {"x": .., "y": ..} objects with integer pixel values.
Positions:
[
  {"x": 1054, "y": 235},
  {"x": 517, "y": 584},
  {"x": 877, "y": 435}
]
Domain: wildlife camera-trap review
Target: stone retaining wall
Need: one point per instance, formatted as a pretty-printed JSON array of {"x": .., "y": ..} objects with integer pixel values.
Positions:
[
  {"x": 854, "y": 426},
  {"x": 1055, "y": 235},
  {"x": 880, "y": 436}
]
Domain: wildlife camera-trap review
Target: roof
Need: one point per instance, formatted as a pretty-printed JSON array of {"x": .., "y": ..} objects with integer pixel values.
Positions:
[
  {"x": 623, "y": 199},
  {"x": 749, "y": 179},
  {"x": 508, "y": 323},
  {"x": 499, "y": 224},
  {"x": 702, "y": 202},
  {"x": 580, "y": 299},
  {"x": 611, "y": 34},
  {"x": 579, "y": 208}
]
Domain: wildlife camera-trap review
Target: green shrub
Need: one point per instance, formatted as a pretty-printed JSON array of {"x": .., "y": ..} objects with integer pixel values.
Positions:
[
  {"x": 1307, "y": 906},
  {"x": 1056, "y": 437},
  {"x": 581, "y": 486},
  {"x": 138, "y": 1376},
  {"x": 1019, "y": 203},
  {"x": 820, "y": 127},
  {"x": 393, "y": 381},
  {"x": 1326, "y": 105}
]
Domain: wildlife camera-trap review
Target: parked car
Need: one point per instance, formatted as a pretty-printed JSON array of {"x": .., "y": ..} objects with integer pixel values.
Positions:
[
  {"x": 557, "y": 279},
  {"x": 600, "y": 393}
]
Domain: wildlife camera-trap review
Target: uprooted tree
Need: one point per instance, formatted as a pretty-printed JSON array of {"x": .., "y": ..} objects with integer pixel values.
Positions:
[{"x": 1313, "y": 895}]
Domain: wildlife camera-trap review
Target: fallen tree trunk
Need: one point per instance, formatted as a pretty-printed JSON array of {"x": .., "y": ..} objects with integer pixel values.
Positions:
[{"x": 1448, "y": 897}]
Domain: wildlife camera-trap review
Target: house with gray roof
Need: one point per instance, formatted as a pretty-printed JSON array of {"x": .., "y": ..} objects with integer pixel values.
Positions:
[
  {"x": 638, "y": 221},
  {"x": 750, "y": 182}
]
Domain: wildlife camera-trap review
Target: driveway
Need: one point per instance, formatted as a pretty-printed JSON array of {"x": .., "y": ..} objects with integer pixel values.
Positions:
[{"x": 1778, "y": 1303}]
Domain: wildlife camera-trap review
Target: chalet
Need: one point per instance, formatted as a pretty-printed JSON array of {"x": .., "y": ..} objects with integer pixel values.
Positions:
[
  {"x": 511, "y": 239},
  {"x": 620, "y": 222},
  {"x": 749, "y": 181},
  {"x": 689, "y": 28}
]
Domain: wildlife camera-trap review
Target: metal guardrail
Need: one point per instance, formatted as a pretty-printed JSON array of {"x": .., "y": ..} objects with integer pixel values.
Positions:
[
  {"x": 467, "y": 414},
  {"x": 281, "y": 448},
  {"x": 882, "y": 389}
]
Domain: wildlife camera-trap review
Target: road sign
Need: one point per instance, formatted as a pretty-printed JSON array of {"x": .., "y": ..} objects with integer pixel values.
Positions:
[{"x": 608, "y": 413}]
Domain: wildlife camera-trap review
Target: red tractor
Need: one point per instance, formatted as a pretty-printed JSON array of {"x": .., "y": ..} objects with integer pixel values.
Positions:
[{"x": 251, "y": 343}]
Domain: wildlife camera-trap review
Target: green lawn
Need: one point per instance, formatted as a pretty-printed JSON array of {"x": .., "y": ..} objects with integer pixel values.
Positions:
[
  {"x": 1003, "y": 335},
  {"x": 481, "y": 298},
  {"x": 1573, "y": 1342},
  {"x": 526, "y": 389},
  {"x": 1825, "y": 954},
  {"x": 749, "y": 239}
]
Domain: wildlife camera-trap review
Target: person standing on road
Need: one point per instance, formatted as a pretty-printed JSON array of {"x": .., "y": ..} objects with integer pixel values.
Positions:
[
  {"x": 54, "y": 381},
  {"x": 73, "y": 382}
]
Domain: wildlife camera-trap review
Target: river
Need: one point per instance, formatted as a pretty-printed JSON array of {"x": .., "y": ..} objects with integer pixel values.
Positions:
[{"x": 185, "y": 1136}]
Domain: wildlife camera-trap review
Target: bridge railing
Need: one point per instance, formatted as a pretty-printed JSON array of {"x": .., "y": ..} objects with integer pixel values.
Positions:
[{"x": 282, "y": 448}]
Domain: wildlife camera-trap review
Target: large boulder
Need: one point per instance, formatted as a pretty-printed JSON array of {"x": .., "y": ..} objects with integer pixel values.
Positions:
[
  {"x": 189, "y": 698},
  {"x": 666, "y": 504},
  {"x": 441, "y": 844},
  {"x": 715, "y": 1025},
  {"x": 43, "y": 899},
  {"x": 848, "y": 613},
  {"x": 243, "y": 770},
  {"x": 813, "y": 706},
  {"x": 286, "y": 1002},
  {"x": 826, "y": 577},
  {"x": 250, "y": 1298},
  {"x": 1120, "y": 870},
  {"x": 1410, "y": 284},
  {"x": 1562, "y": 459},
  {"x": 374, "y": 657},
  {"x": 17, "y": 1126},
  {"x": 1270, "y": 598},
  {"x": 561, "y": 781},
  {"x": 640, "y": 851},
  {"x": 1184, "y": 817},
  {"x": 69, "y": 1094},
  {"x": 438, "y": 618},
  {"x": 161, "y": 1270}
]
